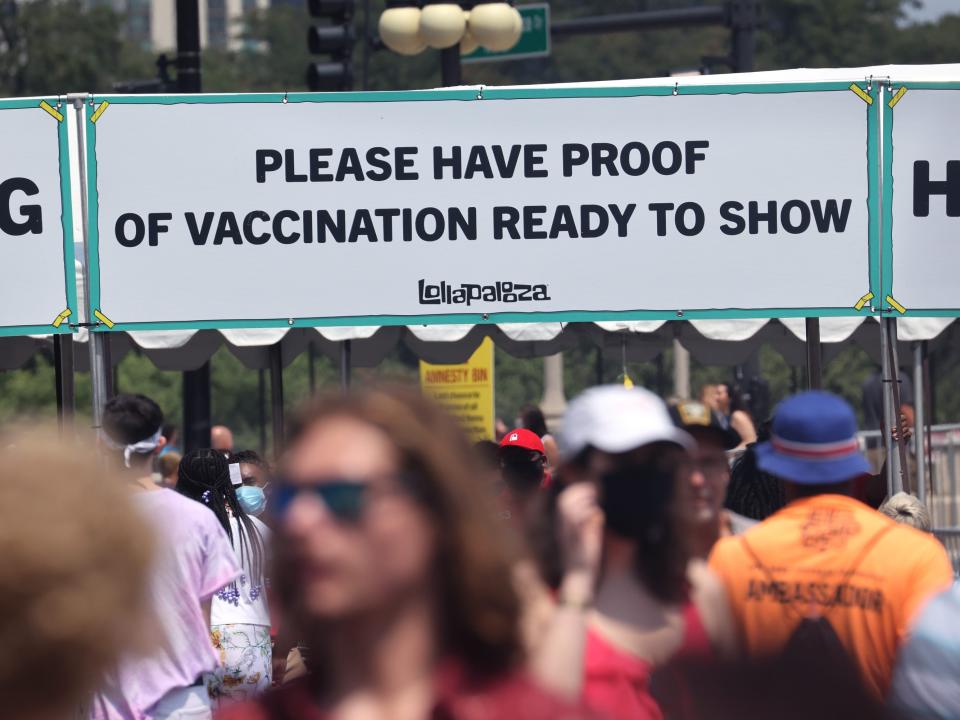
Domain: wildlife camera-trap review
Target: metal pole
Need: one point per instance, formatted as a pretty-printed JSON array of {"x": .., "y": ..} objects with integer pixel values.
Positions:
[
  {"x": 553, "y": 403},
  {"x": 262, "y": 410},
  {"x": 903, "y": 465},
  {"x": 365, "y": 67},
  {"x": 928, "y": 417},
  {"x": 196, "y": 383},
  {"x": 919, "y": 427},
  {"x": 63, "y": 366},
  {"x": 681, "y": 371},
  {"x": 952, "y": 469},
  {"x": 188, "y": 46},
  {"x": 888, "y": 419},
  {"x": 96, "y": 343},
  {"x": 661, "y": 376},
  {"x": 814, "y": 355},
  {"x": 345, "y": 352},
  {"x": 743, "y": 22},
  {"x": 450, "y": 74},
  {"x": 196, "y": 408},
  {"x": 276, "y": 399}
]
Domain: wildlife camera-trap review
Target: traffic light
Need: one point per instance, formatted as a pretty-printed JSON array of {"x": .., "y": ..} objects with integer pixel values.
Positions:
[{"x": 336, "y": 40}]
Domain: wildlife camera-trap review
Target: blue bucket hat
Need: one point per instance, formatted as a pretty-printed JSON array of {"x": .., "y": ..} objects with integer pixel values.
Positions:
[{"x": 813, "y": 441}]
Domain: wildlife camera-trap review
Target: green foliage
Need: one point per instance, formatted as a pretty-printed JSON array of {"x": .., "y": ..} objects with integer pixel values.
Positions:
[
  {"x": 828, "y": 33},
  {"x": 56, "y": 46},
  {"x": 274, "y": 57}
]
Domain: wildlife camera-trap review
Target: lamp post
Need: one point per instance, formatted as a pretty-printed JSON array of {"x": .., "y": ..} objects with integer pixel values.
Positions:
[{"x": 408, "y": 27}]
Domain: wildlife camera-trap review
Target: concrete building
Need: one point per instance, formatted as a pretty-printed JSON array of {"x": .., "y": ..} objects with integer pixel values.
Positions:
[{"x": 153, "y": 23}]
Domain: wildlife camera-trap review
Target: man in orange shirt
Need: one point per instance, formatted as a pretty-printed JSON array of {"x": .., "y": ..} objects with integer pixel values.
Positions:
[{"x": 825, "y": 555}]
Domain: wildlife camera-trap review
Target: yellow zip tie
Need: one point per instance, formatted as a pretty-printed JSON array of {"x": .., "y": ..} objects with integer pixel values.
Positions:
[
  {"x": 863, "y": 301},
  {"x": 863, "y": 94},
  {"x": 104, "y": 319},
  {"x": 59, "y": 319},
  {"x": 896, "y": 98},
  {"x": 99, "y": 111},
  {"x": 52, "y": 110},
  {"x": 895, "y": 305}
]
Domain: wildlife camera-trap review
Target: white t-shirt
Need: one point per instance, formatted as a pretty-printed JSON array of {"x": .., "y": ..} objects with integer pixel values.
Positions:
[{"x": 249, "y": 605}]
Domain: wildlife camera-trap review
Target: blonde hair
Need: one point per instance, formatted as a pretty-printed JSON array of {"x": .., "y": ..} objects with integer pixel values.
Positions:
[
  {"x": 908, "y": 510},
  {"x": 74, "y": 563},
  {"x": 169, "y": 463}
]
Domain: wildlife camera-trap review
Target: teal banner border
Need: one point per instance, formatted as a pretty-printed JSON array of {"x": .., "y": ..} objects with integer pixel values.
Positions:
[
  {"x": 66, "y": 219},
  {"x": 888, "y": 190},
  {"x": 480, "y": 93}
]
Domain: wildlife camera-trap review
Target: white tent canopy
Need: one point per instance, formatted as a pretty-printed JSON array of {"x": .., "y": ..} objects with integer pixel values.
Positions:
[{"x": 717, "y": 342}]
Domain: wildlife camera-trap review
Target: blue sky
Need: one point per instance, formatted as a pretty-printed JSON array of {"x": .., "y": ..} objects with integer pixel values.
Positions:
[{"x": 933, "y": 9}]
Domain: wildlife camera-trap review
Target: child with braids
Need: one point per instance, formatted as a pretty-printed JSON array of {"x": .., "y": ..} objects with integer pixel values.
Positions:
[{"x": 239, "y": 617}]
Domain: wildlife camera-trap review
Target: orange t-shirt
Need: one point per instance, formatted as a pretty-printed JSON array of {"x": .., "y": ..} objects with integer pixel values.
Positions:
[{"x": 809, "y": 547}]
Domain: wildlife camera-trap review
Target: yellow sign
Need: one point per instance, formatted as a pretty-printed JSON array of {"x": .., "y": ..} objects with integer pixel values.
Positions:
[{"x": 465, "y": 391}]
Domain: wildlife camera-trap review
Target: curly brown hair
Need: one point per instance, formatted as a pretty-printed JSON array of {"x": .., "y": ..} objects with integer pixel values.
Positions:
[
  {"x": 73, "y": 576},
  {"x": 481, "y": 610}
]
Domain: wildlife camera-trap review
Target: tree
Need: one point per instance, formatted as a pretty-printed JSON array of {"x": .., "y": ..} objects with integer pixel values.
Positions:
[
  {"x": 50, "y": 47},
  {"x": 273, "y": 58}
]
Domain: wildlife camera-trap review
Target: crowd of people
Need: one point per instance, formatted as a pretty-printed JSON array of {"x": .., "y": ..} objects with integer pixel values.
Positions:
[{"x": 649, "y": 560}]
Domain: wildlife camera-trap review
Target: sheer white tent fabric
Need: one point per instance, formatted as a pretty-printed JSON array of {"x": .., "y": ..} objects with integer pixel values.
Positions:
[{"x": 715, "y": 342}]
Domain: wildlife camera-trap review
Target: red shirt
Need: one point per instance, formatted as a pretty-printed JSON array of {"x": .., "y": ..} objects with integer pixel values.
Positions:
[
  {"x": 617, "y": 683},
  {"x": 511, "y": 696}
]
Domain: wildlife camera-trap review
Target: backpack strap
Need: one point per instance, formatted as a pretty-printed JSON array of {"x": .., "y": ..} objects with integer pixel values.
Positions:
[{"x": 868, "y": 546}]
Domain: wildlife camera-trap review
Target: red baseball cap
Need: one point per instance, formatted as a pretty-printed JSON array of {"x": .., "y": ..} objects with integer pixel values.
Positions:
[{"x": 523, "y": 438}]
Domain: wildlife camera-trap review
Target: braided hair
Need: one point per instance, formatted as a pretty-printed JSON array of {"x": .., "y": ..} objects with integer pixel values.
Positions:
[
  {"x": 752, "y": 492},
  {"x": 204, "y": 476}
]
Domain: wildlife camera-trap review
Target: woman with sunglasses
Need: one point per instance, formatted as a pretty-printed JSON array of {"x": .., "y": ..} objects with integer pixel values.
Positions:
[
  {"x": 239, "y": 616},
  {"x": 391, "y": 567}
]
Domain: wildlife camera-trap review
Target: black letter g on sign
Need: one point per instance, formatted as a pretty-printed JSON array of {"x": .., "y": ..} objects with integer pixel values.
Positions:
[{"x": 33, "y": 221}]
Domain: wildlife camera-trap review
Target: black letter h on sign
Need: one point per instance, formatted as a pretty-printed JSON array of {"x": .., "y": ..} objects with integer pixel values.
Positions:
[{"x": 924, "y": 187}]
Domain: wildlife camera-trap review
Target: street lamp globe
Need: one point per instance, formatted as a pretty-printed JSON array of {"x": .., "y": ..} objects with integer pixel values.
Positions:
[
  {"x": 400, "y": 27},
  {"x": 495, "y": 25},
  {"x": 468, "y": 43},
  {"x": 442, "y": 24}
]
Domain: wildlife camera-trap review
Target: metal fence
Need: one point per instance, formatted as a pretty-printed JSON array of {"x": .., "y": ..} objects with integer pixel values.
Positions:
[
  {"x": 950, "y": 537},
  {"x": 944, "y": 481},
  {"x": 942, "y": 491}
]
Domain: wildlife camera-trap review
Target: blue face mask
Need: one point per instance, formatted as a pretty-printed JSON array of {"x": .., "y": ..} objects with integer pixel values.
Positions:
[{"x": 252, "y": 499}]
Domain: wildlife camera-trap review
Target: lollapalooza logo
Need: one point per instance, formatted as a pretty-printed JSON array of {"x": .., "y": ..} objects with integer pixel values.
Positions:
[{"x": 444, "y": 293}]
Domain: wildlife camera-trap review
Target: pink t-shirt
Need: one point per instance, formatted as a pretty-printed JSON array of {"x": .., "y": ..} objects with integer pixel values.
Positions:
[{"x": 194, "y": 560}]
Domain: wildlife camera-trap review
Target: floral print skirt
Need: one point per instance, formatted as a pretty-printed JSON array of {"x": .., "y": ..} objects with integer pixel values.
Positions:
[{"x": 246, "y": 663}]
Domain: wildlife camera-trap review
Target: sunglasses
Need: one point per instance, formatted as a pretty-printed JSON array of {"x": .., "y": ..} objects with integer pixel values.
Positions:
[{"x": 344, "y": 498}]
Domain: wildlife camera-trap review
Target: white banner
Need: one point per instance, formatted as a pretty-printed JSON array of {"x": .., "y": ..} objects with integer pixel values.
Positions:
[
  {"x": 220, "y": 210},
  {"x": 926, "y": 200},
  {"x": 34, "y": 294}
]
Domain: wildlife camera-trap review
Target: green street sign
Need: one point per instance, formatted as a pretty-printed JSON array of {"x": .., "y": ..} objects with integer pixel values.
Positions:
[{"x": 533, "y": 42}]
